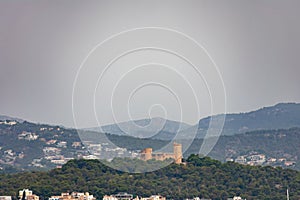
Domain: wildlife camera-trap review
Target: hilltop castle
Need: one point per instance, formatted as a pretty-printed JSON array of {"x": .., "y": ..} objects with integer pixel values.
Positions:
[{"x": 147, "y": 154}]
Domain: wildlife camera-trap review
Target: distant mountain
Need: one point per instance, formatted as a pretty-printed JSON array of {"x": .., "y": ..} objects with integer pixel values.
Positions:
[
  {"x": 156, "y": 128},
  {"x": 280, "y": 116}
]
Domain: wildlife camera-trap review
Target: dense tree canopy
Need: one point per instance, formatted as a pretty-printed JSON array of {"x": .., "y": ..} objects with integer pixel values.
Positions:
[{"x": 201, "y": 177}]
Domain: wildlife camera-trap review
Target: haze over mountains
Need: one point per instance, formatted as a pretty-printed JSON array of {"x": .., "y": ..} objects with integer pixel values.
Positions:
[
  {"x": 279, "y": 116},
  {"x": 159, "y": 128},
  {"x": 26, "y": 145}
]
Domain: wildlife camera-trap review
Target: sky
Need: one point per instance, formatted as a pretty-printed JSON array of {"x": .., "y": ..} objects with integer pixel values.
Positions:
[{"x": 54, "y": 59}]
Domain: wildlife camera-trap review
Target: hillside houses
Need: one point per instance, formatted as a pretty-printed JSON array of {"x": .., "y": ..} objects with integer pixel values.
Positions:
[
  {"x": 51, "y": 151},
  {"x": 253, "y": 158},
  {"x": 28, "y": 136},
  {"x": 9, "y": 156}
]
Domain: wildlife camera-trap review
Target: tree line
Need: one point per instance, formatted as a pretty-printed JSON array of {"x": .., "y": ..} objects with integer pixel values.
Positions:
[{"x": 200, "y": 177}]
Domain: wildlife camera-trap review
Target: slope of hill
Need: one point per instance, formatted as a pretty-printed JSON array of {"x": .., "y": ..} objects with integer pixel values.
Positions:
[
  {"x": 280, "y": 116},
  {"x": 29, "y": 146},
  {"x": 201, "y": 177},
  {"x": 266, "y": 147}
]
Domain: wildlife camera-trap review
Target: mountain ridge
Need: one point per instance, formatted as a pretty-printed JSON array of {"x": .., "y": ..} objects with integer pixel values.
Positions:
[
  {"x": 28, "y": 146},
  {"x": 281, "y": 115}
]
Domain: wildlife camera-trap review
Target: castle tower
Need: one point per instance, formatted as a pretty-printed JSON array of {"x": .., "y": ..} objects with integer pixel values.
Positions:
[
  {"x": 146, "y": 154},
  {"x": 177, "y": 153}
]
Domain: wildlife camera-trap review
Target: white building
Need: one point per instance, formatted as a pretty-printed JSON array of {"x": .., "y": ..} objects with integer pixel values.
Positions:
[
  {"x": 5, "y": 197},
  {"x": 124, "y": 196},
  {"x": 73, "y": 196},
  {"x": 154, "y": 197},
  {"x": 62, "y": 144},
  {"x": 27, "y": 192},
  {"x": 28, "y": 195},
  {"x": 90, "y": 157},
  {"x": 11, "y": 123},
  {"x": 235, "y": 198},
  {"x": 27, "y": 136},
  {"x": 54, "y": 198},
  {"x": 240, "y": 159},
  {"x": 109, "y": 197}
]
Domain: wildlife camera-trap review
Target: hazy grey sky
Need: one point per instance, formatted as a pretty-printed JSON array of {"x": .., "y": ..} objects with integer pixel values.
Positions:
[{"x": 255, "y": 44}]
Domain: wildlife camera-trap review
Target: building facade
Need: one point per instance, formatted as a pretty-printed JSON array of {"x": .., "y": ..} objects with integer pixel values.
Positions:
[
  {"x": 73, "y": 196},
  {"x": 154, "y": 197},
  {"x": 28, "y": 195},
  {"x": 5, "y": 197},
  {"x": 126, "y": 196}
]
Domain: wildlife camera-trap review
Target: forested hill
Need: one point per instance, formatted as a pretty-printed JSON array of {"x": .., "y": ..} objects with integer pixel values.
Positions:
[
  {"x": 202, "y": 177},
  {"x": 26, "y": 146},
  {"x": 279, "y": 116},
  {"x": 279, "y": 147}
]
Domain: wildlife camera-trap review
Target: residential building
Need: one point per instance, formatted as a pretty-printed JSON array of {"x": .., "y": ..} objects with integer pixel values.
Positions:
[
  {"x": 32, "y": 197},
  {"x": 8, "y": 122},
  {"x": 54, "y": 198},
  {"x": 62, "y": 144},
  {"x": 107, "y": 197},
  {"x": 126, "y": 196},
  {"x": 240, "y": 159},
  {"x": 123, "y": 196},
  {"x": 28, "y": 195},
  {"x": 73, "y": 196},
  {"x": 5, "y": 197},
  {"x": 76, "y": 144},
  {"x": 27, "y": 136},
  {"x": 235, "y": 198},
  {"x": 154, "y": 197}
]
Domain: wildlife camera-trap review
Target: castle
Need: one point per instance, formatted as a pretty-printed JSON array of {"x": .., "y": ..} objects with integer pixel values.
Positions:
[{"x": 147, "y": 154}]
